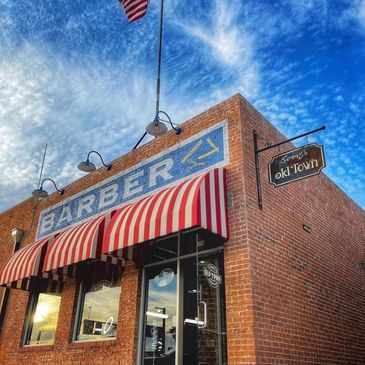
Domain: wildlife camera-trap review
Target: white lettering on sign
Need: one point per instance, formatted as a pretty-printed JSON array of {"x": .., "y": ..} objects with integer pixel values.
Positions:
[
  {"x": 85, "y": 205},
  {"x": 132, "y": 184},
  {"x": 108, "y": 196},
  {"x": 296, "y": 168},
  {"x": 203, "y": 151},
  {"x": 299, "y": 155},
  {"x": 282, "y": 173},
  {"x": 212, "y": 274},
  {"x": 65, "y": 216},
  {"x": 160, "y": 169},
  {"x": 299, "y": 167},
  {"x": 47, "y": 222}
]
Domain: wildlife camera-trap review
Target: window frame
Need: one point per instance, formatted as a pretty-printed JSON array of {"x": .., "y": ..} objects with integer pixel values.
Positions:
[
  {"x": 81, "y": 292},
  {"x": 29, "y": 319}
]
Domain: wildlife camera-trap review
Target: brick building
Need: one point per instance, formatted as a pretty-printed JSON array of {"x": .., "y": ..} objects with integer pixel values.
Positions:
[{"x": 166, "y": 258}]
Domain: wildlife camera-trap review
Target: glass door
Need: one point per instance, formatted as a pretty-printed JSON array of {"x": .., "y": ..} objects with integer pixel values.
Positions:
[
  {"x": 184, "y": 306},
  {"x": 204, "y": 323},
  {"x": 160, "y": 315}
]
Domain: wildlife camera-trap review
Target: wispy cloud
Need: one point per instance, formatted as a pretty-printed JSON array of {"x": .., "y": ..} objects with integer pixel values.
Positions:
[
  {"x": 77, "y": 77},
  {"x": 353, "y": 15},
  {"x": 73, "y": 107},
  {"x": 227, "y": 44}
]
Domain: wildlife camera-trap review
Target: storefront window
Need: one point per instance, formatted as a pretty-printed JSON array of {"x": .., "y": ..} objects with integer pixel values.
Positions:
[
  {"x": 42, "y": 319},
  {"x": 98, "y": 308}
]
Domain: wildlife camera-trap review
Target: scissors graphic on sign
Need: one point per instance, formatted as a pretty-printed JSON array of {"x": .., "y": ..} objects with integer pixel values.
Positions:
[{"x": 197, "y": 162}]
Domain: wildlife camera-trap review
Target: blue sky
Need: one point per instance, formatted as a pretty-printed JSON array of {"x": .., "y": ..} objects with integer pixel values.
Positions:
[{"x": 77, "y": 76}]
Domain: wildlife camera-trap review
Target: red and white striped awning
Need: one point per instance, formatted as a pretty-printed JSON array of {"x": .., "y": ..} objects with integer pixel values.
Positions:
[
  {"x": 24, "y": 264},
  {"x": 77, "y": 244},
  {"x": 197, "y": 202}
]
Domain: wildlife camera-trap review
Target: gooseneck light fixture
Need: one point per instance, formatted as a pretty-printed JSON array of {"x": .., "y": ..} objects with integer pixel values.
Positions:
[
  {"x": 17, "y": 235},
  {"x": 158, "y": 127},
  {"x": 87, "y": 166},
  {"x": 41, "y": 193}
]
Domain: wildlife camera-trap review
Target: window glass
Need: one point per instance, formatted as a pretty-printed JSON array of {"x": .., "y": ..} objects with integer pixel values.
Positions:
[
  {"x": 100, "y": 312},
  {"x": 160, "y": 317},
  {"x": 161, "y": 249},
  {"x": 199, "y": 240},
  {"x": 98, "y": 305},
  {"x": 43, "y": 319}
]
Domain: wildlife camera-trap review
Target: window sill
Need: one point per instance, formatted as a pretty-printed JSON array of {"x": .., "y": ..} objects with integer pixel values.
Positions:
[
  {"x": 35, "y": 348},
  {"x": 92, "y": 343}
]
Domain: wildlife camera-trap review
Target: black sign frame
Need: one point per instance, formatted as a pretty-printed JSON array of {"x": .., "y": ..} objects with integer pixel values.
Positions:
[
  {"x": 304, "y": 176},
  {"x": 269, "y": 146}
]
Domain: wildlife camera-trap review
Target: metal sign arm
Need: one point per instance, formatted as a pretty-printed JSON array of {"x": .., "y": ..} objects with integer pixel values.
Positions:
[{"x": 257, "y": 161}]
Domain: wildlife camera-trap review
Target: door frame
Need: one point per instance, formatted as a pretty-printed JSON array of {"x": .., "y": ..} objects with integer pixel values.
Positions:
[{"x": 179, "y": 293}]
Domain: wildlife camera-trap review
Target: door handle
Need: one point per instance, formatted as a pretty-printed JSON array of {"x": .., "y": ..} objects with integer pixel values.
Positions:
[
  {"x": 194, "y": 321},
  {"x": 203, "y": 323},
  {"x": 197, "y": 321}
]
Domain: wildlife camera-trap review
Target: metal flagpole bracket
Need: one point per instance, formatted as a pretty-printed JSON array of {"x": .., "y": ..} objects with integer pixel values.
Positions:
[{"x": 268, "y": 147}]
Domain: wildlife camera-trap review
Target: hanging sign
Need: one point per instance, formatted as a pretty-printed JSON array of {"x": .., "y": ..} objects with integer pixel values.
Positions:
[{"x": 296, "y": 164}]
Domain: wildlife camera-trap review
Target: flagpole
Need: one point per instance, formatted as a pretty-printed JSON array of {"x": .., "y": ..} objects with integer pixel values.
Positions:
[
  {"x": 159, "y": 58},
  {"x": 158, "y": 84}
]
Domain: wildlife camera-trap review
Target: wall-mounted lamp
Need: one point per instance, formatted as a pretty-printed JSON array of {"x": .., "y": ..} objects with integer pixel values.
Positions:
[
  {"x": 307, "y": 228},
  {"x": 40, "y": 193},
  {"x": 87, "y": 166},
  {"x": 17, "y": 235},
  {"x": 158, "y": 127}
]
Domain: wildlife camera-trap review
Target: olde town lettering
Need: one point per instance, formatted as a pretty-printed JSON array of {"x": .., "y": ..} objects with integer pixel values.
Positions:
[
  {"x": 297, "y": 167},
  {"x": 296, "y": 164}
]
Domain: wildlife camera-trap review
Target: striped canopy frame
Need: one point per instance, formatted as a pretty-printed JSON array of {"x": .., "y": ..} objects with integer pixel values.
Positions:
[
  {"x": 197, "y": 202},
  {"x": 75, "y": 245},
  {"x": 24, "y": 265}
]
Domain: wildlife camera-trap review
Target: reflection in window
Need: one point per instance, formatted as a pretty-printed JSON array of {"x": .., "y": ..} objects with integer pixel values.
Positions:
[
  {"x": 43, "y": 319},
  {"x": 98, "y": 304},
  {"x": 160, "y": 320}
]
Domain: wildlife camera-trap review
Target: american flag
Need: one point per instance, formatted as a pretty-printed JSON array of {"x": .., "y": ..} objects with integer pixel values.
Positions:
[{"x": 134, "y": 9}]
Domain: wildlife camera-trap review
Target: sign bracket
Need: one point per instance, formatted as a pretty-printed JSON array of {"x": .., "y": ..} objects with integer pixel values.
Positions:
[{"x": 257, "y": 160}]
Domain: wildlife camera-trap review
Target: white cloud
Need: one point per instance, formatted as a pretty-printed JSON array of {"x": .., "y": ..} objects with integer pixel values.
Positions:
[
  {"x": 227, "y": 40},
  {"x": 360, "y": 16},
  {"x": 102, "y": 96},
  {"x": 73, "y": 107},
  {"x": 354, "y": 13}
]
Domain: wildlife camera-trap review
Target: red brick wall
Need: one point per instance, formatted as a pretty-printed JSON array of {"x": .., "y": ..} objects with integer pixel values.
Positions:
[
  {"x": 292, "y": 297},
  {"x": 308, "y": 289}
]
